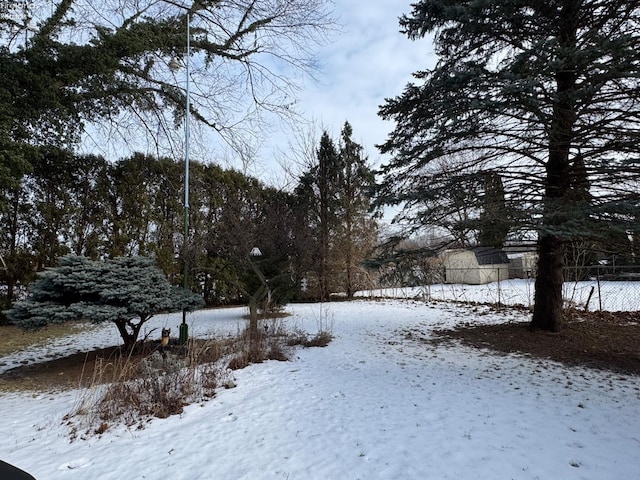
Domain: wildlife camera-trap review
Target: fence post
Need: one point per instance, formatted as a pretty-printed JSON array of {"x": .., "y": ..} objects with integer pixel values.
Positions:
[
  {"x": 499, "y": 299},
  {"x": 599, "y": 291}
]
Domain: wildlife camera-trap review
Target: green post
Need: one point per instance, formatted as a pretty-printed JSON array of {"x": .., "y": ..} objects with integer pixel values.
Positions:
[{"x": 184, "y": 330}]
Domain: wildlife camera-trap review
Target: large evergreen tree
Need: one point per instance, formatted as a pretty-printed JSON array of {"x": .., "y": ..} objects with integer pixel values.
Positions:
[
  {"x": 357, "y": 231},
  {"x": 335, "y": 230},
  {"x": 526, "y": 87},
  {"x": 328, "y": 179},
  {"x": 318, "y": 210}
]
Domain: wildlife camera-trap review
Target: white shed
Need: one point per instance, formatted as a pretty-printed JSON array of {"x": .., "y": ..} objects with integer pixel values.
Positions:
[
  {"x": 476, "y": 266},
  {"x": 523, "y": 265}
]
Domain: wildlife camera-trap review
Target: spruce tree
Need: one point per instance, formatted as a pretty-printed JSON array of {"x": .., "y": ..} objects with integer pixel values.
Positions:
[
  {"x": 329, "y": 172},
  {"x": 127, "y": 291},
  {"x": 523, "y": 87},
  {"x": 357, "y": 232},
  {"x": 335, "y": 229}
]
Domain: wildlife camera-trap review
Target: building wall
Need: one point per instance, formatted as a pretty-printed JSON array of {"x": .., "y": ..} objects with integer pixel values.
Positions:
[
  {"x": 492, "y": 273},
  {"x": 523, "y": 265},
  {"x": 461, "y": 266}
]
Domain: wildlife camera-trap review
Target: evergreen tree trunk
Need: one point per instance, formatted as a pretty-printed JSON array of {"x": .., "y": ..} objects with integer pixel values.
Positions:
[
  {"x": 548, "y": 309},
  {"x": 324, "y": 239},
  {"x": 129, "y": 338},
  {"x": 349, "y": 257}
]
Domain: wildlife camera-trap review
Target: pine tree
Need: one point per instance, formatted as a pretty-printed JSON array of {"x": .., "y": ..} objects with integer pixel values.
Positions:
[
  {"x": 358, "y": 228},
  {"x": 329, "y": 172},
  {"x": 494, "y": 222},
  {"x": 523, "y": 87},
  {"x": 335, "y": 229}
]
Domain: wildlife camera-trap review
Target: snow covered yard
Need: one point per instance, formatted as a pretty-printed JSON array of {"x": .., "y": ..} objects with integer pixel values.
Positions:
[{"x": 376, "y": 403}]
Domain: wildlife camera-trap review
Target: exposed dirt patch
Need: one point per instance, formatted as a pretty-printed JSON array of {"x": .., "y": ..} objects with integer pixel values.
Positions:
[
  {"x": 80, "y": 369},
  {"x": 14, "y": 338},
  {"x": 602, "y": 340},
  {"x": 99, "y": 366}
]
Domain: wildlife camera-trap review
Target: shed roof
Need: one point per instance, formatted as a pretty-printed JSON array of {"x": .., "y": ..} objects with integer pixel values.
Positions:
[{"x": 490, "y": 255}]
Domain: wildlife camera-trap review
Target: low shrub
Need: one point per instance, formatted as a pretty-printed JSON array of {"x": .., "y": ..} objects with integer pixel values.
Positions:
[
  {"x": 320, "y": 339},
  {"x": 300, "y": 338}
]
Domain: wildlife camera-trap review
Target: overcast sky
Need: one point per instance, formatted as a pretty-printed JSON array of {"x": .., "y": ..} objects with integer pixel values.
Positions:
[{"x": 368, "y": 61}]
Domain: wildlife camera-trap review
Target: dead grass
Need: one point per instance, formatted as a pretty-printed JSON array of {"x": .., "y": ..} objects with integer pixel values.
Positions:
[
  {"x": 134, "y": 388},
  {"x": 100, "y": 366},
  {"x": 321, "y": 339},
  {"x": 15, "y": 339},
  {"x": 270, "y": 342},
  {"x": 160, "y": 384},
  {"x": 79, "y": 370},
  {"x": 131, "y": 387}
]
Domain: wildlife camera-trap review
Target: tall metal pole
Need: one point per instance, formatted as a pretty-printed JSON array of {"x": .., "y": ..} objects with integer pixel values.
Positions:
[{"x": 184, "y": 328}]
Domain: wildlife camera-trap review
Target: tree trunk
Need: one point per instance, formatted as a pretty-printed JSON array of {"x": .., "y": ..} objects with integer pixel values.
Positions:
[
  {"x": 349, "y": 249},
  {"x": 548, "y": 305},
  {"x": 548, "y": 308},
  {"x": 129, "y": 338}
]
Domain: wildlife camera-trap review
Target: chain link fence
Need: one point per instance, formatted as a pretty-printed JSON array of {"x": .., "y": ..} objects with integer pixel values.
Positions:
[
  {"x": 603, "y": 287},
  {"x": 595, "y": 288}
]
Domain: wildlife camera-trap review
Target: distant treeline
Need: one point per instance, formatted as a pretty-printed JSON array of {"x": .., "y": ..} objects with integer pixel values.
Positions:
[{"x": 85, "y": 205}]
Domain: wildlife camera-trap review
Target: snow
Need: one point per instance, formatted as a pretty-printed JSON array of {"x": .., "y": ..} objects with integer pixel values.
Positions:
[
  {"x": 611, "y": 296},
  {"x": 376, "y": 403}
]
